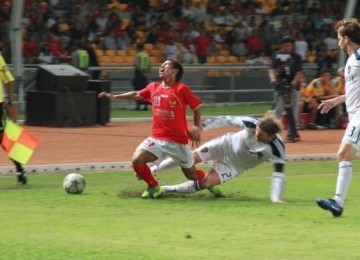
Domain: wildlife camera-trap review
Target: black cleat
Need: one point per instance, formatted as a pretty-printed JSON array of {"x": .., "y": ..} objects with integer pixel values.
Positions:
[
  {"x": 330, "y": 205},
  {"x": 21, "y": 178}
]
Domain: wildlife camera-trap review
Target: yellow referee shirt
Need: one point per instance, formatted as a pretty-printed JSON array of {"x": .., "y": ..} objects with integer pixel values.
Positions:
[{"x": 5, "y": 77}]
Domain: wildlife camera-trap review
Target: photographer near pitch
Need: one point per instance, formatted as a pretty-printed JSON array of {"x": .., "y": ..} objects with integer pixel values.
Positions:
[{"x": 285, "y": 65}]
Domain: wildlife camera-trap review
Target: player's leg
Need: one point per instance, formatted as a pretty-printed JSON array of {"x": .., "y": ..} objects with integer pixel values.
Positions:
[
  {"x": 20, "y": 173},
  {"x": 211, "y": 179},
  {"x": 182, "y": 154},
  {"x": 148, "y": 151},
  {"x": 170, "y": 163},
  {"x": 279, "y": 103},
  {"x": 346, "y": 153},
  {"x": 219, "y": 173}
]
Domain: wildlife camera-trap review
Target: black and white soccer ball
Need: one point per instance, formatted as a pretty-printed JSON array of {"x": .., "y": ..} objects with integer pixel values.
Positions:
[{"x": 74, "y": 183}]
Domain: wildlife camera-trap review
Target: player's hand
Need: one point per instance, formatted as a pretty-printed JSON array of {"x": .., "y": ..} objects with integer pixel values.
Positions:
[
  {"x": 326, "y": 105},
  {"x": 12, "y": 110},
  {"x": 195, "y": 135},
  {"x": 106, "y": 94}
]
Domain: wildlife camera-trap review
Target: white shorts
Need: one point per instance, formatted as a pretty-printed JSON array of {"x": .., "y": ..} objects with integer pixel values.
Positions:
[
  {"x": 352, "y": 133},
  {"x": 181, "y": 153},
  {"x": 216, "y": 150}
]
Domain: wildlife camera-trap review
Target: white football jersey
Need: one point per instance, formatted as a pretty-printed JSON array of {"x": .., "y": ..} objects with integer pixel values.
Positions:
[
  {"x": 352, "y": 82},
  {"x": 241, "y": 149}
]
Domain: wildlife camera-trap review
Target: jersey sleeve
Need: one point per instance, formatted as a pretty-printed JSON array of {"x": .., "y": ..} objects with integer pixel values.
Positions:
[
  {"x": 278, "y": 150},
  {"x": 145, "y": 93},
  {"x": 192, "y": 100},
  {"x": 237, "y": 121},
  {"x": 6, "y": 73}
]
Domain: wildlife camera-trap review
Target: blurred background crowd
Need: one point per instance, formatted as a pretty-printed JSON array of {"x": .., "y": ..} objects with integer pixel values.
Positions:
[{"x": 192, "y": 31}]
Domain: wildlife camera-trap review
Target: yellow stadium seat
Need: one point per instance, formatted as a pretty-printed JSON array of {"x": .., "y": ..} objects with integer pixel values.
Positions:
[
  {"x": 214, "y": 73},
  {"x": 122, "y": 53},
  {"x": 154, "y": 60},
  {"x": 232, "y": 59},
  {"x": 221, "y": 59},
  {"x": 131, "y": 52},
  {"x": 110, "y": 52},
  {"x": 130, "y": 59},
  {"x": 103, "y": 59},
  {"x": 211, "y": 60},
  {"x": 154, "y": 3},
  {"x": 99, "y": 52},
  {"x": 121, "y": 7},
  {"x": 118, "y": 59},
  {"x": 148, "y": 47},
  {"x": 224, "y": 53}
]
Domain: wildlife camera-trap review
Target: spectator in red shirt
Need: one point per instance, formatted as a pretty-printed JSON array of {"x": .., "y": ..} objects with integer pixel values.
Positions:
[
  {"x": 30, "y": 49},
  {"x": 255, "y": 43},
  {"x": 55, "y": 47},
  {"x": 169, "y": 136},
  {"x": 202, "y": 43}
]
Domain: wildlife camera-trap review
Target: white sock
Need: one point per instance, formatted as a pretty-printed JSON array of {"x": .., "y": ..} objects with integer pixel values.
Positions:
[
  {"x": 164, "y": 165},
  {"x": 343, "y": 182},
  {"x": 185, "y": 187},
  {"x": 277, "y": 186}
]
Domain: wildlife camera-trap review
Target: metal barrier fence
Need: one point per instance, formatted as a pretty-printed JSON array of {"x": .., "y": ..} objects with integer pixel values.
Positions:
[{"x": 215, "y": 84}]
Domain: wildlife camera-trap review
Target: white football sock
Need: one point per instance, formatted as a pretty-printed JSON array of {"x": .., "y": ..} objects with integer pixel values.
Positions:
[
  {"x": 169, "y": 163},
  {"x": 277, "y": 186},
  {"x": 343, "y": 182},
  {"x": 185, "y": 187}
]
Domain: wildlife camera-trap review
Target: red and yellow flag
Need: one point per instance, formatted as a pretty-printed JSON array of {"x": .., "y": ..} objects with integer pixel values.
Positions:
[{"x": 18, "y": 143}]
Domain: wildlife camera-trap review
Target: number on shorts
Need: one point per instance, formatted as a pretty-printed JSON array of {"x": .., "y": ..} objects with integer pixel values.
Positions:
[
  {"x": 351, "y": 131},
  {"x": 226, "y": 176}
]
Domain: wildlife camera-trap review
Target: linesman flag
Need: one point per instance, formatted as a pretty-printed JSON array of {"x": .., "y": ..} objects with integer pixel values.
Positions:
[{"x": 18, "y": 143}]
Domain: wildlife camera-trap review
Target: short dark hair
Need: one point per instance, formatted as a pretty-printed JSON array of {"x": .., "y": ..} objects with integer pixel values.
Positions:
[
  {"x": 287, "y": 39},
  {"x": 179, "y": 67}
]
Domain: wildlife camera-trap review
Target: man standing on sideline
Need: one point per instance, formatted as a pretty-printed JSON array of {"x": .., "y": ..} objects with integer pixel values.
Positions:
[
  {"x": 285, "y": 65},
  {"x": 140, "y": 79},
  {"x": 170, "y": 134},
  {"x": 348, "y": 34},
  {"x": 6, "y": 84}
]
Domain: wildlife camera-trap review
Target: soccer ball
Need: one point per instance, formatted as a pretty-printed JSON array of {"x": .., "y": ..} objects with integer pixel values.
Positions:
[{"x": 74, "y": 183}]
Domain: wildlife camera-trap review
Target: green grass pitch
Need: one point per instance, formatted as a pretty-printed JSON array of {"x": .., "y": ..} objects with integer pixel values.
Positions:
[{"x": 111, "y": 221}]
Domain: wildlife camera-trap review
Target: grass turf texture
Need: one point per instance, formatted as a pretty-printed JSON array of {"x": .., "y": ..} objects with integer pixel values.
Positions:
[
  {"x": 242, "y": 109},
  {"x": 111, "y": 221}
]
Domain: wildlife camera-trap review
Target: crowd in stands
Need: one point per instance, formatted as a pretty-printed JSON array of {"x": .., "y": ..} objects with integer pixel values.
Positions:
[{"x": 192, "y": 31}]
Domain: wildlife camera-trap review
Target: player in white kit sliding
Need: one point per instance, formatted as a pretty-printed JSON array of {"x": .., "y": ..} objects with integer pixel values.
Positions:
[
  {"x": 348, "y": 33},
  {"x": 234, "y": 153}
]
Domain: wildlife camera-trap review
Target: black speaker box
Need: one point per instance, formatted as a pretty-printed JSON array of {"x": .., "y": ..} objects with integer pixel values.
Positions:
[
  {"x": 102, "y": 104},
  {"x": 61, "y": 78},
  {"x": 63, "y": 109}
]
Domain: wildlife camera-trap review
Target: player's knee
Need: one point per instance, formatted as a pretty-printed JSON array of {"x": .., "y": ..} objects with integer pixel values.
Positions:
[
  {"x": 204, "y": 184},
  {"x": 138, "y": 160},
  {"x": 345, "y": 155}
]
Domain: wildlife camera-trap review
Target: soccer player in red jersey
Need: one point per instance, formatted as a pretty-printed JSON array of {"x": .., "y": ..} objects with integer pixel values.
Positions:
[{"x": 170, "y": 134}]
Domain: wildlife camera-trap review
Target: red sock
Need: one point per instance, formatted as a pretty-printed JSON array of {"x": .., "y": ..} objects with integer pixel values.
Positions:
[
  {"x": 200, "y": 174},
  {"x": 144, "y": 172}
]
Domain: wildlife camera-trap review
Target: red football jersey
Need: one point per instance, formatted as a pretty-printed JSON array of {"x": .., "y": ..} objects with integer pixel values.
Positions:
[{"x": 169, "y": 110}]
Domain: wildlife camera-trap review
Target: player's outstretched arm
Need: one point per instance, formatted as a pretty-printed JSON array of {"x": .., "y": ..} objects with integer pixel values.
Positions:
[
  {"x": 131, "y": 95},
  {"x": 220, "y": 121},
  {"x": 326, "y": 105}
]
